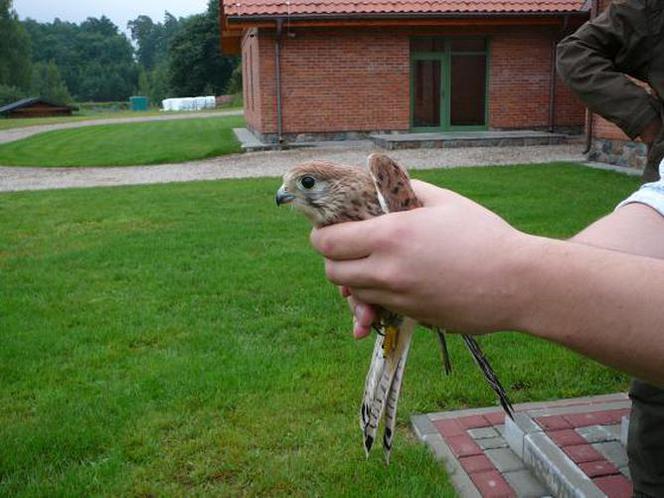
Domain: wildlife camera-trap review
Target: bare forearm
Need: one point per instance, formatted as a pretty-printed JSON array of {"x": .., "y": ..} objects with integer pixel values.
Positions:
[{"x": 604, "y": 304}]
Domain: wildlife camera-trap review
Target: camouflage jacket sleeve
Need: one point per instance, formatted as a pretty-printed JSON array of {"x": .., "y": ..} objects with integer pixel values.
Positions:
[{"x": 595, "y": 60}]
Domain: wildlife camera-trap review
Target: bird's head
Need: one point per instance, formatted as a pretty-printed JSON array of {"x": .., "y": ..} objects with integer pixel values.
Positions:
[{"x": 325, "y": 191}]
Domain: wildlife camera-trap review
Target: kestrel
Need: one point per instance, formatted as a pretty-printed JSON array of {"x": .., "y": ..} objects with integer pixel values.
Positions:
[{"x": 328, "y": 193}]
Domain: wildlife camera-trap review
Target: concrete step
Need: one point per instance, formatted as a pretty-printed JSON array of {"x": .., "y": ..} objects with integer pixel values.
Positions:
[
  {"x": 467, "y": 139},
  {"x": 250, "y": 143}
]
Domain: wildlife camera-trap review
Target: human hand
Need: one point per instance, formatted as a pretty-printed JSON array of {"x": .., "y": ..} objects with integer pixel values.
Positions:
[
  {"x": 363, "y": 314},
  {"x": 450, "y": 263}
]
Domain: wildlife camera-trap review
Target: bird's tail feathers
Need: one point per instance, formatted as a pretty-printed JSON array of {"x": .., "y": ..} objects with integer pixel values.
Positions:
[
  {"x": 383, "y": 386},
  {"x": 391, "y": 406}
]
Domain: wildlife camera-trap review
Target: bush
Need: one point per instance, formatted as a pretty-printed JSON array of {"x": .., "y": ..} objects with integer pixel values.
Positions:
[
  {"x": 48, "y": 84},
  {"x": 103, "y": 106}
]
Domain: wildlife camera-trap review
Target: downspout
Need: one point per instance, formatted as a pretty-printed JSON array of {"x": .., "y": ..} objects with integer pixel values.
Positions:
[
  {"x": 552, "y": 88},
  {"x": 589, "y": 113},
  {"x": 554, "y": 76},
  {"x": 277, "y": 70}
]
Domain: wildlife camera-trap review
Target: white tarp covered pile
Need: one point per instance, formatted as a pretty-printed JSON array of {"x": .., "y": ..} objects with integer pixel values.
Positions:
[{"x": 188, "y": 104}]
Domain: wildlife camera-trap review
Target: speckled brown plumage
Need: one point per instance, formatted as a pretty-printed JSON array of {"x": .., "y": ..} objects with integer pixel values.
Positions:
[{"x": 329, "y": 193}]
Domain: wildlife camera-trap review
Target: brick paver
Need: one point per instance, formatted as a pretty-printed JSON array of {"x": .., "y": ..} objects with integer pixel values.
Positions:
[
  {"x": 599, "y": 468},
  {"x": 615, "y": 486},
  {"x": 553, "y": 423},
  {"x": 566, "y": 437},
  {"x": 492, "y": 484},
  {"x": 581, "y": 435}
]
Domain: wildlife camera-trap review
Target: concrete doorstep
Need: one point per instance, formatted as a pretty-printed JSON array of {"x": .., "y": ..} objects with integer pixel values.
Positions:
[{"x": 566, "y": 448}]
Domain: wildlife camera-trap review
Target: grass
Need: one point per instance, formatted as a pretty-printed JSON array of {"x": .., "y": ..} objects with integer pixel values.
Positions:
[
  {"x": 156, "y": 142},
  {"x": 180, "y": 340},
  {"x": 6, "y": 124}
]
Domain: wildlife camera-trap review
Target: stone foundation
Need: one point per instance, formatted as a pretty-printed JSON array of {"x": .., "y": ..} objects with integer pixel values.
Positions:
[
  {"x": 304, "y": 138},
  {"x": 619, "y": 152},
  {"x": 568, "y": 133}
]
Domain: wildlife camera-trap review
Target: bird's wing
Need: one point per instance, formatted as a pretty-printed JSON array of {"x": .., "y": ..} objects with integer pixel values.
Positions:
[
  {"x": 385, "y": 377},
  {"x": 392, "y": 184},
  {"x": 444, "y": 353},
  {"x": 489, "y": 374}
]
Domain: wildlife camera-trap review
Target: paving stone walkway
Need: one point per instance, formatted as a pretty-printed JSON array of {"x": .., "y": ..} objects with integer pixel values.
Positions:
[{"x": 573, "y": 447}]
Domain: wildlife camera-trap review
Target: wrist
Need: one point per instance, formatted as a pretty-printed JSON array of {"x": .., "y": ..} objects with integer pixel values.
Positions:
[{"x": 524, "y": 277}]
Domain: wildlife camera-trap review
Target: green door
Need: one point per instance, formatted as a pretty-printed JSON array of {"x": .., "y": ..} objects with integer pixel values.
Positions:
[{"x": 448, "y": 84}]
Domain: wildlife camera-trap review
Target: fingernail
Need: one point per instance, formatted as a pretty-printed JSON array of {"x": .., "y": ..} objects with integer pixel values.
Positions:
[
  {"x": 359, "y": 331},
  {"x": 356, "y": 328}
]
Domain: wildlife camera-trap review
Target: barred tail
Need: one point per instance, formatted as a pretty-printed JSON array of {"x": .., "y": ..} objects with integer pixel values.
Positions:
[
  {"x": 383, "y": 385},
  {"x": 391, "y": 406}
]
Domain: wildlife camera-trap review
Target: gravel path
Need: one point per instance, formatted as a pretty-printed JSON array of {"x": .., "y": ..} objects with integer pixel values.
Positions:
[
  {"x": 275, "y": 163},
  {"x": 14, "y": 134}
]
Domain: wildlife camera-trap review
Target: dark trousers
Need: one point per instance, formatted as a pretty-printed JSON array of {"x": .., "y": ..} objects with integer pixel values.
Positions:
[{"x": 645, "y": 444}]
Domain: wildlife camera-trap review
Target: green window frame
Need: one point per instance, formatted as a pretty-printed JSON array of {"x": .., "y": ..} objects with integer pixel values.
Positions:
[{"x": 444, "y": 56}]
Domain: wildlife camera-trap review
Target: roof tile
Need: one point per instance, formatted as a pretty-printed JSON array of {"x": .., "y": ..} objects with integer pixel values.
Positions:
[{"x": 344, "y": 7}]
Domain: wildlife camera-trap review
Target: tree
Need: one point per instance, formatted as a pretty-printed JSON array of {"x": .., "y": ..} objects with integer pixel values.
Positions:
[
  {"x": 9, "y": 94},
  {"x": 153, "y": 39},
  {"x": 195, "y": 61},
  {"x": 145, "y": 33},
  {"x": 95, "y": 60},
  {"x": 48, "y": 84},
  {"x": 14, "y": 49},
  {"x": 159, "y": 85}
]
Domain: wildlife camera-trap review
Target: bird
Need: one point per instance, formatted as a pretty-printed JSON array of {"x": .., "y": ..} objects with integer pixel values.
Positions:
[{"x": 327, "y": 193}]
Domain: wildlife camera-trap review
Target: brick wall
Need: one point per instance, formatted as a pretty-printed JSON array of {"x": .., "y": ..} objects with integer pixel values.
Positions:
[
  {"x": 345, "y": 80},
  {"x": 337, "y": 80},
  {"x": 520, "y": 79},
  {"x": 605, "y": 129},
  {"x": 251, "y": 81}
]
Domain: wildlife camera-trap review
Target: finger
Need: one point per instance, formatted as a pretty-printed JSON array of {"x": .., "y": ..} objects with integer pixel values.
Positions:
[
  {"x": 344, "y": 291},
  {"x": 361, "y": 331},
  {"x": 364, "y": 315},
  {"x": 351, "y": 240},
  {"x": 375, "y": 297},
  {"x": 351, "y": 273}
]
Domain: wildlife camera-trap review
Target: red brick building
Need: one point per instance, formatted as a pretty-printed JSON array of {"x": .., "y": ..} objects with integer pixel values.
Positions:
[{"x": 335, "y": 69}]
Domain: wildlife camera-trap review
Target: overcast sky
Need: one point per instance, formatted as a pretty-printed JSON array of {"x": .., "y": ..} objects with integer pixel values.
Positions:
[{"x": 119, "y": 11}]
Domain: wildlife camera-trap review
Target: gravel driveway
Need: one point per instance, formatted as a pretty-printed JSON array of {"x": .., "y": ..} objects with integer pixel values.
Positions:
[{"x": 275, "y": 163}]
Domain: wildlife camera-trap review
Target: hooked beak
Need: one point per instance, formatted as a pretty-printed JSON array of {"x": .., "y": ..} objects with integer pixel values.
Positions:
[{"x": 283, "y": 197}]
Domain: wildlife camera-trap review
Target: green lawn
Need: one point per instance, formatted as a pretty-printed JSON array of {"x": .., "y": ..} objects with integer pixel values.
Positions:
[
  {"x": 156, "y": 142},
  {"x": 6, "y": 124},
  {"x": 180, "y": 340}
]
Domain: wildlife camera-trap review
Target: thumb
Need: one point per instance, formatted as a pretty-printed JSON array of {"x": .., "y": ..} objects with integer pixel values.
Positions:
[{"x": 430, "y": 195}]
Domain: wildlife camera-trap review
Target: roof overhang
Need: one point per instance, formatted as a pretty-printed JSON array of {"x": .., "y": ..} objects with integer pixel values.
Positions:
[{"x": 232, "y": 27}]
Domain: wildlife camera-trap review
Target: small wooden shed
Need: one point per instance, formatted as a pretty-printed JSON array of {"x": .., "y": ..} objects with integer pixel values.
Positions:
[{"x": 35, "y": 108}]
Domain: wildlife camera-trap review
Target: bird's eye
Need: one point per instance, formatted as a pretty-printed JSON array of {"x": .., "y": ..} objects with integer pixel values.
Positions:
[{"x": 308, "y": 182}]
